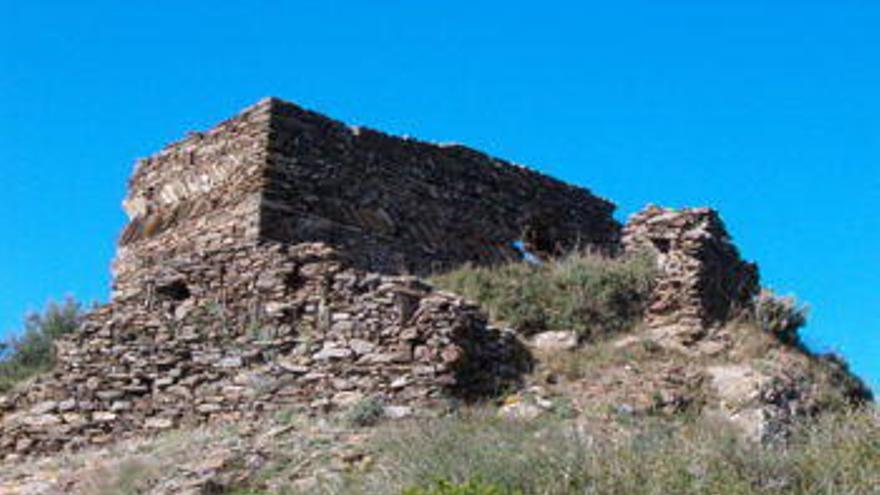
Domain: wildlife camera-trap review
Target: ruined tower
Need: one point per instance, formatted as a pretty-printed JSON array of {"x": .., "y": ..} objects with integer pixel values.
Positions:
[
  {"x": 702, "y": 281},
  {"x": 274, "y": 261},
  {"x": 279, "y": 173}
]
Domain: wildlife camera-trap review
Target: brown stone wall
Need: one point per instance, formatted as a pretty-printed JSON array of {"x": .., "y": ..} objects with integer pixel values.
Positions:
[
  {"x": 405, "y": 206},
  {"x": 227, "y": 334},
  {"x": 201, "y": 193},
  {"x": 263, "y": 268},
  {"x": 276, "y": 172},
  {"x": 703, "y": 281}
]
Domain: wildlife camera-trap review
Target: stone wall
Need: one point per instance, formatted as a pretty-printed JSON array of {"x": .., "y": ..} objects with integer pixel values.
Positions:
[
  {"x": 703, "y": 281},
  {"x": 232, "y": 333},
  {"x": 264, "y": 266},
  {"x": 280, "y": 173},
  {"x": 201, "y": 193},
  {"x": 405, "y": 206}
]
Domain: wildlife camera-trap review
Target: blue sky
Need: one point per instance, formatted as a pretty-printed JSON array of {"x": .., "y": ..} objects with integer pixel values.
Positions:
[{"x": 768, "y": 111}]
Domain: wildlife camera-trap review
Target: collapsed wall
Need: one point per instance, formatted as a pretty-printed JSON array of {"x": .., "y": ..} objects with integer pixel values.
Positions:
[
  {"x": 702, "y": 280},
  {"x": 297, "y": 327}
]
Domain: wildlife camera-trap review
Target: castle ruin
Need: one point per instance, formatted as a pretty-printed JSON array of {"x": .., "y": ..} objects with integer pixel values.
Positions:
[
  {"x": 276, "y": 260},
  {"x": 278, "y": 173}
]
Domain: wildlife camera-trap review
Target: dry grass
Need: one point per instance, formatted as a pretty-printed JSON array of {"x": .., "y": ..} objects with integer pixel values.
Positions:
[
  {"x": 477, "y": 453},
  {"x": 132, "y": 475},
  {"x": 585, "y": 361},
  {"x": 836, "y": 455}
]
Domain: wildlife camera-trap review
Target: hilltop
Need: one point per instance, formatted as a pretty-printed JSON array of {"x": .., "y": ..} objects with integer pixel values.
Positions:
[{"x": 287, "y": 282}]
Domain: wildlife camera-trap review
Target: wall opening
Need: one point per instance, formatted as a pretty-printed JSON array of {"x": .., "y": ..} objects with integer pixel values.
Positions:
[{"x": 176, "y": 290}]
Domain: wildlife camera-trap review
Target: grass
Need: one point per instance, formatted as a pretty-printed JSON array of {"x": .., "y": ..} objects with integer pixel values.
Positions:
[
  {"x": 477, "y": 453},
  {"x": 481, "y": 454},
  {"x": 366, "y": 412},
  {"x": 585, "y": 361},
  {"x": 473, "y": 487},
  {"x": 129, "y": 476},
  {"x": 33, "y": 352},
  {"x": 589, "y": 293}
]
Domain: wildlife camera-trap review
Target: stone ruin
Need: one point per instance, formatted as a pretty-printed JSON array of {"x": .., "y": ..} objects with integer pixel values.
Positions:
[
  {"x": 274, "y": 261},
  {"x": 703, "y": 282},
  {"x": 278, "y": 173}
]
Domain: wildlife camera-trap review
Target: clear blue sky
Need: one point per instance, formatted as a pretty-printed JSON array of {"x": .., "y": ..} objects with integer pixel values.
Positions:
[{"x": 766, "y": 110}]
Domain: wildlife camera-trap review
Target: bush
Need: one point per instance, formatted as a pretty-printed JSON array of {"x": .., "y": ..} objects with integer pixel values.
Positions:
[
  {"x": 780, "y": 316},
  {"x": 585, "y": 292},
  {"x": 33, "y": 351},
  {"x": 366, "y": 412}
]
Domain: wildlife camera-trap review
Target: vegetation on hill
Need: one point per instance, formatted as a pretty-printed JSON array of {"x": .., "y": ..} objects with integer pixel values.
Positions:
[
  {"x": 781, "y": 316},
  {"x": 32, "y": 351},
  {"x": 484, "y": 455},
  {"x": 475, "y": 450},
  {"x": 590, "y": 294}
]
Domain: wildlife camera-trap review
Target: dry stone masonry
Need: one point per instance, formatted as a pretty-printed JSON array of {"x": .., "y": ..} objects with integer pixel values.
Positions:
[
  {"x": 273, "y": 262},
  {"x": 279, "y": 173},
  {"x": 296, "y": 327},
  {"x": 269, "y": 263},
  {"x": 703, "y": 282}
]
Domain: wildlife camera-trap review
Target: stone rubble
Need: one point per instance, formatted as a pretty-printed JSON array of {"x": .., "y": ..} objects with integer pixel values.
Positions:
[{"x": 297, "y": 327}]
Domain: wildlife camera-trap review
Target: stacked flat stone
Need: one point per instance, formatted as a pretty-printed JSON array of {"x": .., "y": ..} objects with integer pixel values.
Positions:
[
  {"x": 277, "y": 172},
  {"x": 295, "y": 328},
  {"x": 703, "y": 281}
]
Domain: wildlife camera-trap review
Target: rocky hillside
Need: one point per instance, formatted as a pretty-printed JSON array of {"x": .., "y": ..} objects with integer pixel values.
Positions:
[
  {"x": 594, "y": 370},
  {"x": 605, "y": 403}
]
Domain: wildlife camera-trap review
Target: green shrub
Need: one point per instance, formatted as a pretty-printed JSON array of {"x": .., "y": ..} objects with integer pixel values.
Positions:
[
  {"x": 585, "y": 292},
  {"x": 33, "y": 351},
  {"x": 780, "y": 316},
  {"x": 366, "y": 412}
]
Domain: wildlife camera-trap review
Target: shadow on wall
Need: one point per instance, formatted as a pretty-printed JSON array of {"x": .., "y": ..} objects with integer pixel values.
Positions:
[{"x": 497, "y": 363}]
